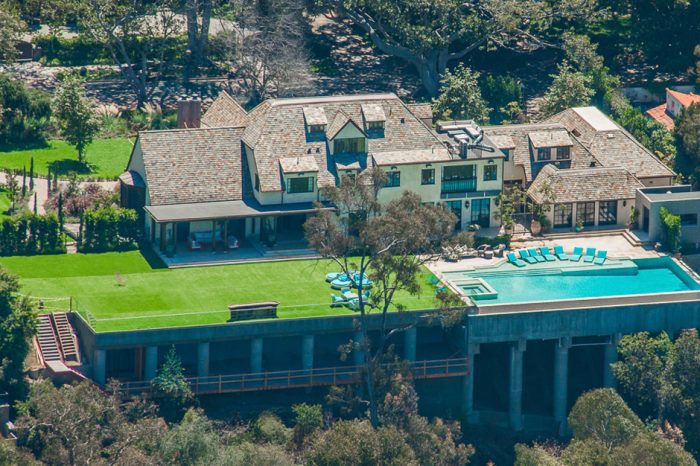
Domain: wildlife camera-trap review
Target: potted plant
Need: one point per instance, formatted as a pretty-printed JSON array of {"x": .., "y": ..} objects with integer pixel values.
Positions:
[
  {"x": 579, "y": 226},
  {"x": 634, "y": 216}
]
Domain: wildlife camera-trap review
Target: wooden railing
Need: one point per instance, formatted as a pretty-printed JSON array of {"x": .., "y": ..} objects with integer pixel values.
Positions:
[{"x": 299, "y": 378}]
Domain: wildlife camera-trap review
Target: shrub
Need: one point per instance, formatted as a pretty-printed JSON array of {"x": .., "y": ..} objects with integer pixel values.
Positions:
[
  {"x": 109, "y": 229},
  {"x": 31, "y": 234},
  {"x": 268, "y": 428},
  {"x": 672, "y": 230},
  {"x": 25, "y": 113}
]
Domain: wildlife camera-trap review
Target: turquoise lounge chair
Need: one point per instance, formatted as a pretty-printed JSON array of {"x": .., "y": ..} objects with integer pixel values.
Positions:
[
  {"x": 602, "y": 255},
  {"x": 536, "y": 255},
  {"x": 576, "y": 256},
  {"x": 590, "y": 255},
  {"x": 432, "y": 280},
  {"x": 559, "y": 252},
  {"x": 547, "y": 255},
  {"x": 337, "y": 300},
  {"x": 524, "y": 255},
  {"x": 332, "y": 276},
  {"x": 441, "y": 289},
  {"x": 514, "y": 260}
]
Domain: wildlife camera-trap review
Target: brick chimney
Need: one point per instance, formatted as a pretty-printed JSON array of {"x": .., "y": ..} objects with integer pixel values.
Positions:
[{"x": 189, "y": 112}]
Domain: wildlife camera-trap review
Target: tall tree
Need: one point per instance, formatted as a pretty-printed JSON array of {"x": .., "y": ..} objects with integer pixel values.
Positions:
[
  {"x": 17, "y": 327},
  {"x": 198, "y": 13},
  {"x": 75, "y": 115},
  {"x": 460, "y": 96},
  {"x": 388, "y": 244},
  {"x": 175, "y": 395},
  {"x": 11, "y": 29},
  {"x": 136, "y": 33},
  {"x": 263, "y": 47},
  {"x": 688, "y": 141},
  {"x": 570, "y": 88},
  {"x": 431, "y": 33}
]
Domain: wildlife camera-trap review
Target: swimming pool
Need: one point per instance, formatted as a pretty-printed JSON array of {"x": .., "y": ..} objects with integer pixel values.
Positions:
[{"x": 553, "y": 282}]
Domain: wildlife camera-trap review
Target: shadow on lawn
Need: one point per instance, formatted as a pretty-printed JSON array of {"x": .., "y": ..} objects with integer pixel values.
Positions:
[
  {"x": 39, "y": 144},
  {"x": 152, "y": 258},
  {"x": 65, "y": 166}
]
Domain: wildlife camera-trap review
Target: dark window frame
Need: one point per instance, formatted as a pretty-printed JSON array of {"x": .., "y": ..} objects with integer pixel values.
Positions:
[
  {"x": 492, "y": 171},
  {"x": 607, "y": 212},
  {"x": 506, "y": 152},
  {"x": 544, "y": 154},
  {"x": 430, "y": 179},
  {"x": 585, "y": 211},
  {"x": 563, "y": 215},
  {"x": 339, "y": 146},
  {"x": 300, "y": 189},
  {"x": 686, "y": 222},
  {"x": 393, "y": 179},
  {"x": 564, "y": 153}
]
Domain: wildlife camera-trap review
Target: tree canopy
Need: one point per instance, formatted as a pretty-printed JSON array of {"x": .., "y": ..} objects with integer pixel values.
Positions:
[
  {"x": 460, "y": 96},
  {"x": 74, "y": 115}
]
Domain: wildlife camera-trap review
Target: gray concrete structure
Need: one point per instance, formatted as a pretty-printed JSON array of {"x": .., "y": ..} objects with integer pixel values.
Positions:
[
  {"x": 151, "y": 364},
  {"x": 468, "y": 386},
  {"x": 561, "y": 381},
  {"x": 256, "y": 355},
  {"x": 203, "y": 359},
  {"x": 610, "y": 357},
  {"x": 99, "y": 365},
  {"x": 409, "y": 344},
  {"x": 307, "y": 352},
  {"x": 679, "y": 200},
  {"x": 515, "y": 385}
]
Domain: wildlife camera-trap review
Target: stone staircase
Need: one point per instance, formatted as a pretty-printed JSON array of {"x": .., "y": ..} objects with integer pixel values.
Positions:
[
  {"x": 66, "y": 338},
  {"x": 46, "y": 339}
]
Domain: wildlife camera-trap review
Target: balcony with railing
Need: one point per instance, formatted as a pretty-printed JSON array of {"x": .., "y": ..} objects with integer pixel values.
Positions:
[{"x": 458, "y": 186}]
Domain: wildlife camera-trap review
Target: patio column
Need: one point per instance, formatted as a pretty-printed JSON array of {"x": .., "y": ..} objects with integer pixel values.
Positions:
[
  {"x": 307, "y": 352},
  {"x": 468, "y": 386},
  {"x": 561, "y": 382},
  {"x": 203, "y": 359},
  {"x": 99, "y": 366},
  {"x": 610, "y": 357},
  {"x": 515, "y": 389},
  {"x": 151, "y": 366},
  {"x": 409, "y": 344},
  {"x": 256, "y": 352},
  {"x": 358, "y": 357}
]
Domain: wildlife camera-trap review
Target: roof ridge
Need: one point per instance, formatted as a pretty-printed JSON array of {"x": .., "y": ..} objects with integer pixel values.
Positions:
[{"x": 330, "y": 99}]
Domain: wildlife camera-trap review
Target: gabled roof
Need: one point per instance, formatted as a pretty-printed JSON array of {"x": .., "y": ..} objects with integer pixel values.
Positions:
[
  {"x": 659, "y": 114},
  {"x": 193, "y": 165},
  {"x": 302, "y": 164},
  {"x": 610, "y": 144},
  {"x": 550, "y": 138},
  {"x": 686, "y": 100},
  {"x": 276, "y": 129},
  {"x": 518, "y": 137},
  {"x": 315, "y": 116},
  {"x": 224, "y": 112},
  {"x": 584, "y": 185}
]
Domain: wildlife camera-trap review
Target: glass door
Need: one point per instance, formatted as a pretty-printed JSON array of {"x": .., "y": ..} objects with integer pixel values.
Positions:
[{"x": 481, "y": 212}]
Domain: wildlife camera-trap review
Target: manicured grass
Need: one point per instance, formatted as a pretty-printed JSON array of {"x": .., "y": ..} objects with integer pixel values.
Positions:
[
  {"x": 105, "y": 158},
  {"x": 156, "y": 297},
  {"x": 4, "y": 202}
]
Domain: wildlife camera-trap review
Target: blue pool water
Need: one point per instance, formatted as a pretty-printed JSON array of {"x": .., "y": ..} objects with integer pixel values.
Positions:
[{"x": 592, "y": 282}]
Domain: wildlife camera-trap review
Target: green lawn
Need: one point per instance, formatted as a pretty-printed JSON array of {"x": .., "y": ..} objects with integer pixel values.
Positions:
[
  {"x": 4, "y": 202},
  {"x": 152, "y": 298},
  {"x": 105, "y": 158}
]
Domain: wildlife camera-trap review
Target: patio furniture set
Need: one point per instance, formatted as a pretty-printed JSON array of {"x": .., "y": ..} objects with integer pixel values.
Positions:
[
  {"x": 533, "y": 256},
  {"x": 199, "y": 240},
  {"x": 344, "y": 282}
]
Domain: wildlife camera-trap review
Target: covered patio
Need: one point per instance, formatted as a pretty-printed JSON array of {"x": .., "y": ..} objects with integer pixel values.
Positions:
[{"x": 227, "y": 231}]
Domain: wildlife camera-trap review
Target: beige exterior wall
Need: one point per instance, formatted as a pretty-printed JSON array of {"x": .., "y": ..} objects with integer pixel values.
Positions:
[
  {"x": 288, "y": 198},
  {"x": 658, "y": 181}
]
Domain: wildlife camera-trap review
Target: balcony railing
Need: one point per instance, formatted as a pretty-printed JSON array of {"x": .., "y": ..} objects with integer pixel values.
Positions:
[{"x": 459, "y": 186}]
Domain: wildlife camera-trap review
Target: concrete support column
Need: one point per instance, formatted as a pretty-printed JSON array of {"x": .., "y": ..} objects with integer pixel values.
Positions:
[
  {"x": 561, "y": 382},
  {"x": 151, "y": 365},
  {"x": 358, "y": 357},
  {"x": 515, "y": 389},
  {"x": 256, "y": 353},
  {"x": 610, "y": 357},
  {"x": 203, "y": 359},
  {"x": 99, "y": 366},
  {"x": 409, "y": 344},
  {"x": 307, "y": 352},
  {"x": 468, "y": 386}
]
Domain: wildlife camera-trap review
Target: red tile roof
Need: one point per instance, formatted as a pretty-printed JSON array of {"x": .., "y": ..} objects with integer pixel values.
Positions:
[
  {"x": 686, "y": 100},
  {"x": 659, "y": 114}
]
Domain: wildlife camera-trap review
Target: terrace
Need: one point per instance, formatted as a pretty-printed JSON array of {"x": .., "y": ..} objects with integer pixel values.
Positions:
[{"x": 127, "y": 291}]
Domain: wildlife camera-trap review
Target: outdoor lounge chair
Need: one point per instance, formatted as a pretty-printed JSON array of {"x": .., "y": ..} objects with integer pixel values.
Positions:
[
  {"x": 332, "y": 276},
  {"x": 499, "y": 250},
  {"x": 536, "y": 255},
  {"x": 524, "y": 255},
  {"x": 590, "y": 255},
  {"x": 337, "y": 300},
  {"x": 354, "y": 304},
  {"x": 432, "y": 280},
  {"x": 547, "y": 255},
  {"x": 576, "y": 256},
  {"x": 559, "y": 252},
  {"x": 602, "y": 255},
  {"x": 514, "y": 260},
  {"x": 481, "y": 250},
  {"x": 441, "y": 289}
]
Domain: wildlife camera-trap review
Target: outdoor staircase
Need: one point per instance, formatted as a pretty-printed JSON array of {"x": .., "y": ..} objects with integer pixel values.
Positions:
[
  {"x": 66, "y": 339},
  {"x": 46, "y": 338}
]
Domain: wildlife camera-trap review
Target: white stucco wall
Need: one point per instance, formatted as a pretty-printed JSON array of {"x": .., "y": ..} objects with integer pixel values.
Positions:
[{"x": 348, "y": 131}]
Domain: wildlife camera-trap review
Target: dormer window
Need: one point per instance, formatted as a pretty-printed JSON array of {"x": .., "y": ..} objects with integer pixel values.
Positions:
[
  {"x": 375, "y": 125},
  {"x": 316, "y": 123},
  {"x": 544, "y": 153},
  {"x": 374, "y": 118},
  {"x": 317, "y": 128},
  {"x": 563, "y": 153}
]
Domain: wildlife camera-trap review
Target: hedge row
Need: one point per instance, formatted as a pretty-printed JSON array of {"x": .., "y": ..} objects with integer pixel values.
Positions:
[
  {"x": 109, "y": 229},
  {"x": 31, "y": 234}
]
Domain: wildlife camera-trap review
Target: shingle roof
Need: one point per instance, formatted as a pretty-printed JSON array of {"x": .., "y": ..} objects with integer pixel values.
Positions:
[
  {"x": 302, "y": 164},
  {"x": 276, "y": 130},
  {"x": 402, "y": 157},
  {"x": 552, "y": 138},
  {"x": 315, "y": 116},
  {"x": 224, "y": 112},
  {"x": 613, "y": 147},
  {"x": 521, "y": 154},
  {"x": 502, "y": 141},
  {"x": 590, "y": 184},
  {"x": 193, "y": 165},
  {"x": 373, "y": 113},
  {"x": 341, "y": 119},
  {"x": 422, "y": 111}
]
